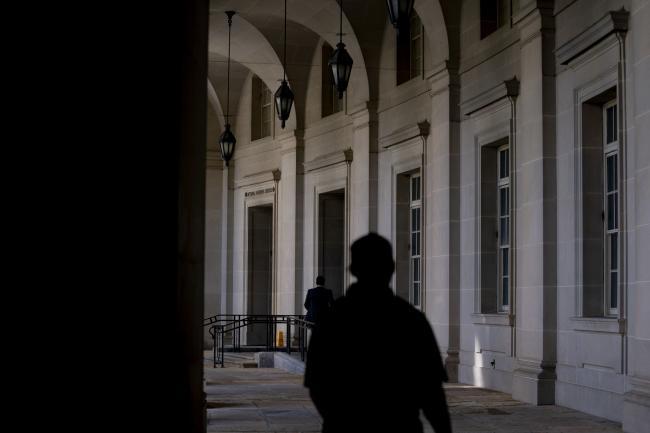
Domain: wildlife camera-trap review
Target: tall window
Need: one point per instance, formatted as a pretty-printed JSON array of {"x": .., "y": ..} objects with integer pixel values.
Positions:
[
  {"x": 494, "y": 14},
  {"x": 610, "y": 206},
  {"x": 503, "y": 233},
  {"x": 409, "y": 51},
  {"x": 415, "y": 204},
  {"x": 261, "y": 110},
  {"x": 495, "y": 227},
  {"x": 330, "y": 102}
]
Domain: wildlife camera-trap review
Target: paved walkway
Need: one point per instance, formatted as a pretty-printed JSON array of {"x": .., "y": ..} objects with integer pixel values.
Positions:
[{"x": 272, "y": 400}]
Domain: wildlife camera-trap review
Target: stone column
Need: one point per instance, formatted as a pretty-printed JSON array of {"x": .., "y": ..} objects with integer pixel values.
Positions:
[
  {"x": 213, "y": 233},
  {"x": 363, "y": 182},
  {"x": 226, "y": 223},
  {"x": 442, "y": 295},
  {"x": 288, "y": 251},
  {"x": 535, "y": 177},
  {"x": 634, "y": 132}
]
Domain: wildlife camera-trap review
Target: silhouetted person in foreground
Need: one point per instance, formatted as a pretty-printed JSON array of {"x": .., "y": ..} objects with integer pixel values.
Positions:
[
  {"x": 373, "y": 362},
  {"x": 318, "y": 302}
]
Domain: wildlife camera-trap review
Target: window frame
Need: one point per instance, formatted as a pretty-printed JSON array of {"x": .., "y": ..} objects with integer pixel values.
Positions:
[
  {"x": 403, "y": 50},
  {"x": 266, "y": 93},
  {"x": 415, "y": 251},
  {"x": 413, "y": 41},
  {"x": 611, "y": 150},
  {"x": 261, "y": 98},
  {"x": 503, "y": 250}
]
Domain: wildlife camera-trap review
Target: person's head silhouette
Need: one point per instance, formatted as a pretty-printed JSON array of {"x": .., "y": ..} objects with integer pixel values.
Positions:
[
  {"x": 372, "y": 260},
  {"x": 320, "y": 280}
]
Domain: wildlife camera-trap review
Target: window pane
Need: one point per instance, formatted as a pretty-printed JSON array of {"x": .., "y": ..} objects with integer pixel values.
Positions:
[
  {"x": 610, "y": 125},
  {"x": 414, "y": 246},
  {"x": 504, "y": 261},
  {"x": 503, "y": 231},
  {"x": 613, "y": 251},
  {"x": 416, "y": 269},
  {"x": 504, "y": 164},
  {"x": 503, "y": 207},
  {"x": 612, "y": 211},
  {"x": 613, "y": 290},
  {"x": 612, "y": 175},
  {"x": 504, "y": 291},
  {"x": 415, "y": 188},
  {"x": 416, "y": 294}
]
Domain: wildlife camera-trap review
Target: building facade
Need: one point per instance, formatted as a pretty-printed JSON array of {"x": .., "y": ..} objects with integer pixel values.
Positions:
[{"x": 503, "y": 147}]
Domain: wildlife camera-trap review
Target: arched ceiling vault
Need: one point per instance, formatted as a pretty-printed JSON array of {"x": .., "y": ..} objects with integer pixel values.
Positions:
[
  {"x": 320, "y": 16},
  {"x": 217, "y": 77},
  {"x": 301, "y": 44},
  {"x": 257, "y": 43},
  {"x": 249, "y": 51}
]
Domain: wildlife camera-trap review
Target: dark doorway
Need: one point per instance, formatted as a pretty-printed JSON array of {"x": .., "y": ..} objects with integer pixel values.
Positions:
[
  {"x": 331, "y": 240},
  {"x": 260, "y": 259}
]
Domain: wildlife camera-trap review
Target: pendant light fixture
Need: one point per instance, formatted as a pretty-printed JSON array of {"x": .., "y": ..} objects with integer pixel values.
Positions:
[
  {"x": 399, "y": 12},
  {"x": 340, "y": 64},
  {"x": 227, "y": 140},
  {"x": 284, "y": 95}
]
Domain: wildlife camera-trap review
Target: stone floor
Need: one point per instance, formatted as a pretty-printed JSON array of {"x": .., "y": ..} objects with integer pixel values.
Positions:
[{"x": 272, "y": 400}]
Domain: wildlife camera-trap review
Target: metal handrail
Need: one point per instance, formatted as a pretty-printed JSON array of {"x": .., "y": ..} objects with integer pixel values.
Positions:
[{"x": 221, "y": 324}]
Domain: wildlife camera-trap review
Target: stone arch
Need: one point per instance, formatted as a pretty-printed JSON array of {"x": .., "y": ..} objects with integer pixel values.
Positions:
[
  {"x": 435, "y": 28},
  {"x": 215, "y": 104}
]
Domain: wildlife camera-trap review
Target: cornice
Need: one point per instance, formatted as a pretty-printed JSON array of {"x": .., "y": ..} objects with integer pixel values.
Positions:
[
  {"x": 328, "y": 160},
  {"x": 507, "y": 89},
  {"x": 612, "y": 22},
  {"x": 258, "y": 178},
  {"x": 401, "y": 135}
]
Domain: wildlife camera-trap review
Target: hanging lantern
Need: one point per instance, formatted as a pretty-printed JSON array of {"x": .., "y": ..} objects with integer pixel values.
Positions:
[
  {"x": 227, "y": 142},
  {"x": 399, "y": 12},
  {"x": 284, "y": 95},
  {"x": 283, "y": 102},
  {"x": 340, "y": 64}
]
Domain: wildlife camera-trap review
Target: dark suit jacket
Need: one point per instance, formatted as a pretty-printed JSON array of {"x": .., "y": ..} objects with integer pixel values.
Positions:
[
  {"x": 319, "y": 301},
  {"x": 373, "y": 364}
]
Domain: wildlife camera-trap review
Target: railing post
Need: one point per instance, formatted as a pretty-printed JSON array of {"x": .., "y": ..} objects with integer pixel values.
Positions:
[
  {"x": 289, "y": 335},
  {"x": 223, "y": 343},
  {"x": 214, "y": 346}
]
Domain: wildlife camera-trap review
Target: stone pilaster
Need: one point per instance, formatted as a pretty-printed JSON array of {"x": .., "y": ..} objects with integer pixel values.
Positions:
[
  {"x": 442, "y": 295},
  {"x": 535, "y": 178},
  {"x": 363, "y": 182},
  {"x": 288, "y": 245}
]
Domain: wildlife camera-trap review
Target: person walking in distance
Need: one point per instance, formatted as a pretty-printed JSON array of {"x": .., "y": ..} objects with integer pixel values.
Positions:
[
  {"x": 373, "y": 362},
  {"x": 318, "y": 302}
]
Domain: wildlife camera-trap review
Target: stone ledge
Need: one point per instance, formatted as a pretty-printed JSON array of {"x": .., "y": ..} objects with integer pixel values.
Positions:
[
  {"x": 280, "y": 360},
  {"x": 492, "y": 319},
  {"x": 598, "y": 324}
]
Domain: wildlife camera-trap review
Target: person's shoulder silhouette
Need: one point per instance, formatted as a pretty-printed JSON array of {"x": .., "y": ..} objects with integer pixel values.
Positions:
[{"x": 373, "y": 363}]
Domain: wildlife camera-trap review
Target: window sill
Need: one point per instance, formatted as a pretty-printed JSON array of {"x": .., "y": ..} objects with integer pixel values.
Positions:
[
  {"x": 498, "y": 319},
  {"x": 606, "y": 325}
]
